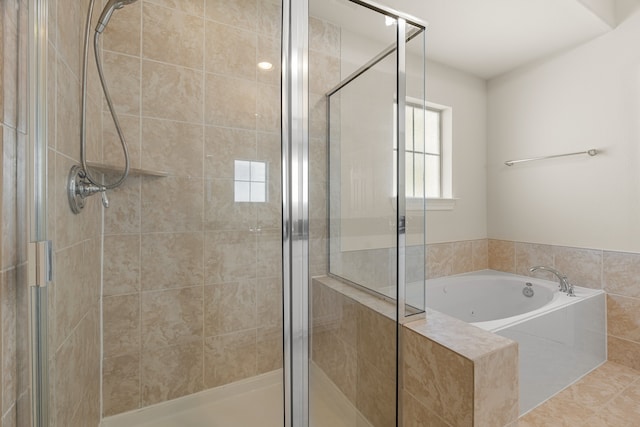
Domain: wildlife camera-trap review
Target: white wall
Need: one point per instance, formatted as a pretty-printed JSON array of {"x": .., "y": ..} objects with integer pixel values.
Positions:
[
  {"x": 467, "y": 95},
  {"x": 586, "y": 98}
]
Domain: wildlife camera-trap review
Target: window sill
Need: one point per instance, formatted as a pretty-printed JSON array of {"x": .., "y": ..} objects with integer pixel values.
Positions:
[{"x": 435, "y": 204}]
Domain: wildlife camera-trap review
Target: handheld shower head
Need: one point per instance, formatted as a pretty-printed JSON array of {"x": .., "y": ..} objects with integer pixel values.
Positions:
[{"x": 108, "y": 10}]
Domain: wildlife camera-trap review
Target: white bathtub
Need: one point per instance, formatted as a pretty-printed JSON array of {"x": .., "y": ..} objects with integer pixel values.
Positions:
[{"x": 560, "y": 338}]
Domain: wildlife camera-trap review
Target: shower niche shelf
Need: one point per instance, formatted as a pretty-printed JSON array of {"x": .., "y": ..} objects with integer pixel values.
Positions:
[{"x": 106, "y": 168}]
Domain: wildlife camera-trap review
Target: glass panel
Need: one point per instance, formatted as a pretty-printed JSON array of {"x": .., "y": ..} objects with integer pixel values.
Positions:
[
  {"x": 409, "y": 175},
  {"x": 433, "y": 132},
  {"x": 414, "y": 264},
  {"x": 433, "y": 176}
]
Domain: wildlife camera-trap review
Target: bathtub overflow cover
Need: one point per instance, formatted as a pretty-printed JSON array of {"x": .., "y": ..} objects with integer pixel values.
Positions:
[{"x": 528, "y": 290}]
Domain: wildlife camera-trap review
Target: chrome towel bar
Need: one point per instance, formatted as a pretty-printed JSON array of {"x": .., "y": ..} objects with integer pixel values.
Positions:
[{"x": 592, "y": 152}]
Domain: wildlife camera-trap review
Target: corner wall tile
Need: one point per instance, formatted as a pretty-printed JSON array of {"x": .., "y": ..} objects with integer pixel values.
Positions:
[
  {"x": 439, "y": 260},
  {"x": 623, "y": 352},
  {"x": 502, "y": 255},
  {"x": 583, "y": 267},
  {"x": 621, "y": 273},
  {"x": 121, "y": 386},
  {"x": 230, "y": 357}
]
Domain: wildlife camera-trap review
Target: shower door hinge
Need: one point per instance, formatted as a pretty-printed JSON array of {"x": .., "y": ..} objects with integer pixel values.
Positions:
[{"x": 40, "y": 263}]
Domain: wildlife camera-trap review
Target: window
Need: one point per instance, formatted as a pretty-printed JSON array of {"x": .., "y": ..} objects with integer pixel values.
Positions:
[
  {"x": 250, "y": 181},
  {"x": 428, "y": 152}
]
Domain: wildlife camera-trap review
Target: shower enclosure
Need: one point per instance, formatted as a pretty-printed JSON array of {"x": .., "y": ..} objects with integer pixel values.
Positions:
[{"x": 268, "y": 146}]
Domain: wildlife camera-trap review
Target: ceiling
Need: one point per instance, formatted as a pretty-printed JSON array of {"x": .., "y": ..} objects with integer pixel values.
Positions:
[{"x": 486, "y": 37}]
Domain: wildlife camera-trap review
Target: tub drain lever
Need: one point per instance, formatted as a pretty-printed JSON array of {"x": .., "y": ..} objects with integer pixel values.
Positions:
[{"x": 528, "y": 290}]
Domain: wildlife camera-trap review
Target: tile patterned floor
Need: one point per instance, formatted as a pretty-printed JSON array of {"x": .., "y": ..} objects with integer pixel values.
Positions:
[{"x": 607, "y": 397}]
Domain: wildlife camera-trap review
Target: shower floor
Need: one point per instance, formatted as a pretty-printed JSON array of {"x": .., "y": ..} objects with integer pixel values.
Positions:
[
  {"x": 606, "y": 397},
  {"x": 253, "y": 402}
]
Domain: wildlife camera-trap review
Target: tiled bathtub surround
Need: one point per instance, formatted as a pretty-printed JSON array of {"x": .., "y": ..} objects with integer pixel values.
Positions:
[
  {"x": 192, "y": 279},
  {"x": 454, "y": 374},
  {"x": 616, "y": 272}
]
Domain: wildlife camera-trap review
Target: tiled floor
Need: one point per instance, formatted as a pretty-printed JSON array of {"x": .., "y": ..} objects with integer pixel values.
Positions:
[{"x": 607, "y": 397}]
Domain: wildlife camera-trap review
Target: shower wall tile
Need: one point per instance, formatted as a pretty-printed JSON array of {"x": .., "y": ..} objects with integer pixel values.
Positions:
[
  {"x": 171, "y": 317},
  {"x": 269, "y": 18},
  {"x": 123, "y": 34},
  {"x": 70, "y": 32},
  {"x": 171, "y": 372},
  {"x": 223, "y": 146},
  {"x": 230, "y": 357},
  {"x": 123, "y": 215},
  {"x": 269, "y": 349},
  {"x": 121, "y": 317},
  {"x": 229, "y": 307},
  {"x": 67, "y": 111},
  {"x": 122, "y": 73},
  {"x": 376, "y": 395},
  {"x": 240, "y": 13},
  {"x": 171, "y": 36},
  {"x": 502, "y": 255},
  {"x": 112, "y": 153},
  {"x": 9, "y": 386},
  {"x": 268, "y": 108},
  {"x": 222, "y": 212},
  {"x": 229, "y": 256},
  {"x": 269, "y": 253},
  {"x": 621, "y": 273},
  {"x": 172, "y": 147},
  {"x": 172, "y": 92},
  {"x": 323, "y": 70},
  {"x": 192, "y": 7},
  {"x": 324, "y": 37},
  {"x": 239, "y": 107},
  {"x": 121, "y": 264},
  {"x": 121, "y": 388},
  {"x": 230, "y": 51},
  {"x": 171, "y": 204},
  {"x": 185, "y": 250},
  {"x": 269, "y": 296},
  {"x": 269, "y": 51},
  {"x": 583, "y": 267}
]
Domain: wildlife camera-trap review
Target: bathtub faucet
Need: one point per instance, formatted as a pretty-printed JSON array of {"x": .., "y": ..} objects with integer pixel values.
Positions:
[{"x": 565, "y": 286}]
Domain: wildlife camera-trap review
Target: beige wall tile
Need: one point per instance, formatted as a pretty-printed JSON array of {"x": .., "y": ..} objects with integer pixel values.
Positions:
[
  {"x": 269, "y": 349},
  {"x": 324, "y": 37},
  {"x": 269, "y": 301},
  {"x": 230, "y": 51},
  {"x": 480, "y": 250},
  {"x": 172, "y": 147},
  {"x": 67, "y": 111},
  {"x": 173, "y": 37},
  {"x": 529, "y": 255},
  {"x": 121, "y": 264},
  {"x": 240, "y": 13},
  {"x": 439, "y": 378},
  {"x": 229, "y": 256},
  {"x": 269, "y": 51},
  {"x": 112, "y": 149},
  {"x": 124, "y": 31},
  {"x": 621, "y": 273},
  {"x": 376, "y": 394},
  {"x": 623, "y": 317},
  {"x": 583, "y": 267},
  {"x": 185, "y": 251},
  {"x": 268, "y": 109},
  {"x": 377, "y": 341},
  {"x": 193, "y": 7},
  {"x": 439, "y": 260},
  {"x": 462, "y": 258},
  {"x": 269, "y": 18},
  {"x": 338, "y": 360},
  {"x": 318, "y": 116},
  {"x": 502, "y": 255},
  {"x": 69, "y": 37},
  {"x": 230, "y": 357},
  {"x": 239, "y": 107},
  {"x": 171, "y": 204},
  {"x": 269, "y": 253},
  {"x": 171, "y": 372},
  {"x": 223, "y": 146},
  {"x": 9, "y": 356},
  {"x": 124, "y": 213},
  {"x": 415, "y": 414},
  {"x": 623, "y": 352},
  {"x": 496, "y": 388},
  {"x": 222, "y": 212},
  {"x": 171, "y": 92},
  {"x": 121, "y": 386},
  {"x": 171, "y": 317},
  {"x": 230, "y": 307},
  {"x": 122, "y": 73},
  {"x": 324, "y": 72},
  {"x": 121, "y": 317}
]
